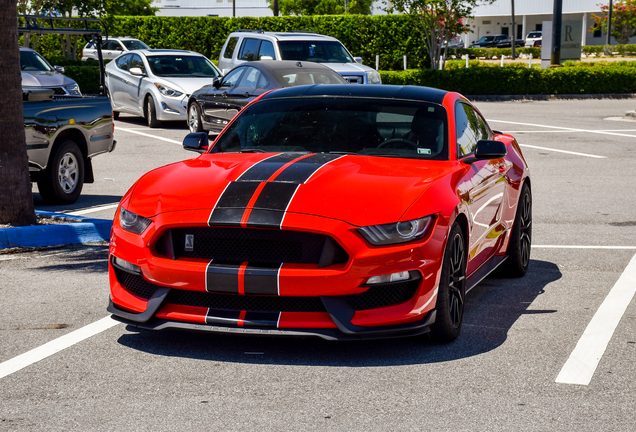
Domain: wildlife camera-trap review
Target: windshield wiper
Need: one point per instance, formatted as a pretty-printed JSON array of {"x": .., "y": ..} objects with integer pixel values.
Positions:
[{"x": 343, "y": 152}]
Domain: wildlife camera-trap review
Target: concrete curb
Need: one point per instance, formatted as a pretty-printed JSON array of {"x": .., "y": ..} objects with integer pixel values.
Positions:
[
  {"x": 547, "y": 97},
  {"x": 85, "y": 230}
]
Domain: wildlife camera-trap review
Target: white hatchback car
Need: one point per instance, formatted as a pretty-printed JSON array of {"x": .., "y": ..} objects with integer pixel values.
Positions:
[
  {"x": 156, "y": 84},
  {"x": 113, "y": 48},
  {"x": 532, "y": 38}
]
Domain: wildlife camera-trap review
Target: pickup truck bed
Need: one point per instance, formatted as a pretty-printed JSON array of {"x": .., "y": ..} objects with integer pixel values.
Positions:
[{"x": 62, "y": 135}]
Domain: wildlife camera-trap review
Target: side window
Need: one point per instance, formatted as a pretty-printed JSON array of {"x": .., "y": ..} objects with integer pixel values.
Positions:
[
  {"x": 250, "y": 78},
  {"x": 123, "y": 62},
  {"x": 262, "y": 82},
  {"x": 232, "y": 78},
  {"x": 465, "y": 129},
  {"x": 112, "y": 45},
  {"x": 249, "y": 49},
  {"x": 229, "y": 49},
  {"x": 136, "y": 62},
  {"x": 267, "y": 49}
]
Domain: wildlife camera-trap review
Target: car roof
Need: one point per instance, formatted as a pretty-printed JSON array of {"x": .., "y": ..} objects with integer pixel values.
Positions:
[
  {"x": 421, "y": 94},
  {"x": 151, "y": 52},
  {"x": 27, "y": 49},
  {"x": 292, "y": 36}
]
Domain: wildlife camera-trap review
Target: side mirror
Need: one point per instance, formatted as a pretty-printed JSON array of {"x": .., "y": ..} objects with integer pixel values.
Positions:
[
  {"x": 486, "y": 150},
  {"x": 358, "y": 59},
  {"x": 137, "y": 71},
  {"x": 59, "y": 69},
  {"x": 216, "y": 82},
  {"x": 197, "y": 141}
]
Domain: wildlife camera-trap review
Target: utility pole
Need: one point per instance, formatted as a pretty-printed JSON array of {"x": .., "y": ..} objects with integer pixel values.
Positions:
[
  {"x": 275, "y": 7},
  {"x": 557, "y": 20},
  {"x": 233, "y": 8},
  {"x": 609, "y": 23},
  {"x": 514, "y": 29}
]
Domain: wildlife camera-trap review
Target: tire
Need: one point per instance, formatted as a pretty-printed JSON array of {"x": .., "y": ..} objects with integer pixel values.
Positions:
[
  {"x": 521, "y": 237},
  {"x": 63, "y": 179},
  {"x": 151, "y": 113},
  {"x": 194, "y": 118},
  {"x": 452, "y": 289}
]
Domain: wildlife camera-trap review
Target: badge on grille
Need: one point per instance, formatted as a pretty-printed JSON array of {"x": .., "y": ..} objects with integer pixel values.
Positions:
[{"x": 189, "y": 243}]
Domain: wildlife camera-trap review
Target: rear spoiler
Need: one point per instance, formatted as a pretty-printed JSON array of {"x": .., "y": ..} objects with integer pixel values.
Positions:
[{"x": 46, "y": 25}]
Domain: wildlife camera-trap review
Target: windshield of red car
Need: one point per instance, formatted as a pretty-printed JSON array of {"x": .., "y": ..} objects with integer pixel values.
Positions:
[
  {"x": 347, "y": 125},
  {"x": 315, "y": 51}
]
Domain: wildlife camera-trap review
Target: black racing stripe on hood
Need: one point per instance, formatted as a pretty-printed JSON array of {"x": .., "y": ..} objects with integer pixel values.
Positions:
[
  {"x": 300, "y": 171},
  {"x": 263, "y": 170}
]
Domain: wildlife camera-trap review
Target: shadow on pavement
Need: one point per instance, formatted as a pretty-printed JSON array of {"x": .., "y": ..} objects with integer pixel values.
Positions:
[
  {"x": 132, "y": 121},
  {"x": 83, "y": 202},
  {"x": 81, "y": 259},
  {"x": 491, "y": 310}
]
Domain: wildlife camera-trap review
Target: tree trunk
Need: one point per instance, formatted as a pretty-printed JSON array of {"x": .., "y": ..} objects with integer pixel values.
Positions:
[{"x": 16, "y": 200}]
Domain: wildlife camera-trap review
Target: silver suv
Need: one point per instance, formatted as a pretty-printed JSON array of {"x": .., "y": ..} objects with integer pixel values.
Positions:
[
  {"x": 251, "y": 45},
  {"x": 112, "y": 48}
]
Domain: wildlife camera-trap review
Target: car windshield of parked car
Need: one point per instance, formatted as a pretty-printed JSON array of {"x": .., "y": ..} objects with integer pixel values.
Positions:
[
  {"x": 182, "y": 66},
  {"x": 340, "y": 125},
  {"x": 134, "y": 44},
  {"x": 30, "y": 61},
  {"x": 486, "y": 39},
  {"x": 534, "y": 34},
  {"x": 293, "y": 77},
  {"x": 314, "y": 51}
]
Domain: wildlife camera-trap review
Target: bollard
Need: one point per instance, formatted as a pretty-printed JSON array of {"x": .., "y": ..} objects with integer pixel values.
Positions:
[
  {"x": 502, "y": 57},
  {"x": 377, "y": 62},
  {"x": 467, "y": 64},
  {"x": 530, "y": 61},
  {"x": 404, "y": 61}
]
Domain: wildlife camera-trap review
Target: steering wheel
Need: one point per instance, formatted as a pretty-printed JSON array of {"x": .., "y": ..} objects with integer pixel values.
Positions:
[{"x": 406, "y": 143}]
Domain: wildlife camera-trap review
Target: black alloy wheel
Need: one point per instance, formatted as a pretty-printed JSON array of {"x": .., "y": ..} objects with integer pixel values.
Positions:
[
  {"x": 452, "y": 289},
  {"x": 520, "y": 238}
]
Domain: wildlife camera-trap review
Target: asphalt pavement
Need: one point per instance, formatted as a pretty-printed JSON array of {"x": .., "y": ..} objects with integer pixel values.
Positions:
[{"x": 501, "y": 374}]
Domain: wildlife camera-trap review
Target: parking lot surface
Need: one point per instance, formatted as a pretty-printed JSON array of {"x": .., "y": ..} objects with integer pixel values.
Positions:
[{"x": 553, "y": 350}]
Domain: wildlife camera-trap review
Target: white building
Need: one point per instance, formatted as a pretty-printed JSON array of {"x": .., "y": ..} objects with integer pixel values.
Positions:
[{"x": 529, "y": 15}]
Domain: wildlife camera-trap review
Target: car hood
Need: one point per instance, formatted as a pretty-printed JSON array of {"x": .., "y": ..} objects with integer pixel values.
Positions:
[
  {"x": 45, "y": 79},
  {"x": 348, "y": 67},
  {"x": 188, "y": 85},
  {"x": 360, "y": 190}
]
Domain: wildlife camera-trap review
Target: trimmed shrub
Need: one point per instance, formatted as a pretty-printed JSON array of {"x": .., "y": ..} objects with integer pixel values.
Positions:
[{"x": 87, "y": 77}]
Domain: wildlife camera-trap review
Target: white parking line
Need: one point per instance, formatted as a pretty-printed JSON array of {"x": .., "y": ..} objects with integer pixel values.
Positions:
[
  {"x": 582, "y": 363},
  {"x": 563, "y": 151},
  {"x": 568, "y": 131},
  {"x": 56, "y": 345},
  {"x": 149, "y": 135},
  {"x": 92, "y": 210},
  {"x": 583, "y": 247},
  {"x": 564, "y": 128}
]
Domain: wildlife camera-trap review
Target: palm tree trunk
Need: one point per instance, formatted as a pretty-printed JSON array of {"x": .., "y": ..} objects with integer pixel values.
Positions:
[{"x": 16, "y": 200}]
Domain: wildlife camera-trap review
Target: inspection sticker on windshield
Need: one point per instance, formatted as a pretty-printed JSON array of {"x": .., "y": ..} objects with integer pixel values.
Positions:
[{"x": 424, "y": 151}]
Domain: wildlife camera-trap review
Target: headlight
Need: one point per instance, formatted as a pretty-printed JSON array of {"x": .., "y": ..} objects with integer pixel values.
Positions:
[
  {"x": 168, "y": 91},
  {"x": 73, "y": 89},
  {"x": 399, "y": 232},
  {"x": 132, "y": 222},
  {"x": 373, "y": 77}
]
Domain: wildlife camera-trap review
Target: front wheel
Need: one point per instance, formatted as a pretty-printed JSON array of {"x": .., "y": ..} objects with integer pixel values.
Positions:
[
  {"x": 452, "y": 289},
  {"x": 151, "y": 113},
  {"x": 194, "y": 118},
  {"x": 63, "y": 179}
]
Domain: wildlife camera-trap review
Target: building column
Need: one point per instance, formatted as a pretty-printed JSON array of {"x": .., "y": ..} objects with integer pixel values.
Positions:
[
  {"x": 524, "y": 28},
  {"x": 585, "y": 29}
]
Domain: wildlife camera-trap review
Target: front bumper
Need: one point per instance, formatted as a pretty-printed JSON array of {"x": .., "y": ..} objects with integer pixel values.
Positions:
[{"x": 331, "y": 302}]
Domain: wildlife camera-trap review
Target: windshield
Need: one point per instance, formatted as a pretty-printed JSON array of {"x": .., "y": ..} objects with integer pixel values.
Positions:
[
  {"x": 534, "y": 35},
  {"x": 182, "y": 66},
  {"x": 32, "y": 61},
  {"x": 134, "y": 44},
  {"x": 348, "y": 125},
  {"x": 487, "y": 39},
  {"x": 315, "y": 51}
]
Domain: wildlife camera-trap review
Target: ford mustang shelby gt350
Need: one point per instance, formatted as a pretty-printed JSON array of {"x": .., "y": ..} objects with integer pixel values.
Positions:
[{"x": 342, "y": 212}]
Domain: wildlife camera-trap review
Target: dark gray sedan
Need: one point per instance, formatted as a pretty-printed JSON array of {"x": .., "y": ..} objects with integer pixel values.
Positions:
[{"x": 212, "y": 107}]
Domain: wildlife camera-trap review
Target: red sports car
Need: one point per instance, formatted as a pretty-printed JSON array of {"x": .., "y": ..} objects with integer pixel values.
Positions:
[{"x": 343, "y": 212}]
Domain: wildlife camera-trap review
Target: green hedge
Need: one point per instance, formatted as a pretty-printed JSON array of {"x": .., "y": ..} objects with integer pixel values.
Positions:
[
  {"x": 610, "y": 50},
  {"x": 519, "y": 81},
  {"x": 390, "y": 36},
  {"x": 87, "y": 77},
  {"x": 492, "y": 52}
]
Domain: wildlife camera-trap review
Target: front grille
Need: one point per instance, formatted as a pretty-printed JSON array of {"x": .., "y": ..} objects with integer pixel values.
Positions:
[
  {"x": 374, "y": 297},
  {"x": 58, "y": 90},
  {"x": 382, "y": 296},
  {"x": 252, "y": 245}
]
